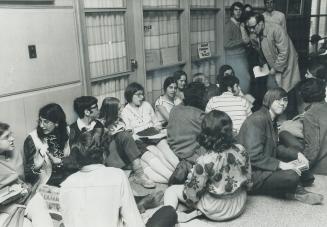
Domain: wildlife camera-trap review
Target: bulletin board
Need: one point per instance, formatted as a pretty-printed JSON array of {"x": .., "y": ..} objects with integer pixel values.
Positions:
[{"x": 53, "y": 33}]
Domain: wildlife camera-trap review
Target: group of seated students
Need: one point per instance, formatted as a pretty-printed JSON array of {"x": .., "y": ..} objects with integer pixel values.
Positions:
[{"x": 201, "y": 139}]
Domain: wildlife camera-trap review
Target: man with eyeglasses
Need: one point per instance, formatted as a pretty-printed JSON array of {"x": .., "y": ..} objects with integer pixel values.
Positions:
[
  {"x": 87, "y": 110},
  {"x": 278, "y": 51},
  {"x": 273, "y": 16}
]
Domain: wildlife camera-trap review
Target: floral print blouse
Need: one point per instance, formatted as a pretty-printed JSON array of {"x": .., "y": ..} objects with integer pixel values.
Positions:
[{"x": 218, "y": 174}]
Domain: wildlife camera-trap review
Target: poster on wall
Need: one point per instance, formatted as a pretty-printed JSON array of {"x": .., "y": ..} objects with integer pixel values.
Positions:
[{"x": 204, "y": 50}]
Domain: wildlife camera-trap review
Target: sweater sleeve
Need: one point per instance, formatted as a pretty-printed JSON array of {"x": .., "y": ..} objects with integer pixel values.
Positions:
[
  {"x": 29, "y": 151},
  {"x": 311, "y": 138},
  {"x": 230, "y": 41}
]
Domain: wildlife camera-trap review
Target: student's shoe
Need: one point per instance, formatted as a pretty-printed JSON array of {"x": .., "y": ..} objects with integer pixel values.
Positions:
[
  {"x": 143, "y": 180},
  {"x": 305, "y": 196}
]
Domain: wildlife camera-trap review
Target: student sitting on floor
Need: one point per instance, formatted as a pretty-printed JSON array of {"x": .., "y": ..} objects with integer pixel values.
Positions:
[
  {"x": 273, "y": 173},
  {"x": 183, "y": 128},
  {"x": 185, "y": 123},
  {"x": 237, "y": 107},
  {"x": 167, "y": 101},
  {"x": 101, "y": 196},
  {"x": 317, "y": 70},
  {"x": 47, "y": 146},
  {"x": 86, "y": 108},
  {"x": 313, "y": 93},
  {"x": 219, "y": 180},
  {"x": 128, "y": 152},
  {"x": 36, "y": 213},
  {"x": 227, "y": 70},
  {"x": 121, "y": 149},
  {"x": 140, "y": 118},
  {"x": 211, "y": 90},
  {"x": 181, "y": 79}
]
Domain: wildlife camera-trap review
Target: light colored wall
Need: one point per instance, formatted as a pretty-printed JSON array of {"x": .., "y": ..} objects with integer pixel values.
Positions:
[{"x": 54, "y": 76}]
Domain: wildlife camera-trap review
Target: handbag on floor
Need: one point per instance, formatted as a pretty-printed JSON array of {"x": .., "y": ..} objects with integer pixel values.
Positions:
[{"x": 179, "y": 176}]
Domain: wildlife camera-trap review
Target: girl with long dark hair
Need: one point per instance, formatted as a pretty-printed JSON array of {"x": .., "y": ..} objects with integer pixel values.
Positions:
[
  {"x": 47, "y": 146},
  {"x": 167, "y": 101},
  {"x": 141, "y": 159}
]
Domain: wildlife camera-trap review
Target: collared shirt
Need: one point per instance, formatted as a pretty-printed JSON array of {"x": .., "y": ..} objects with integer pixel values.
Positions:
[
  {"x": 161, "y": 101},
  {"x": 237, "y": 107},
  {"x": 81, "y": 125},
  {"x": 140, "y": 118},
  {"x": 98, "y": 196}
]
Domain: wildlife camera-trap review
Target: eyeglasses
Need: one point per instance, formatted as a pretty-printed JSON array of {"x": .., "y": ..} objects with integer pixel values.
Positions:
[
  {"x": 251, "y": 27},
  {"x": 7, "y": 137},
  {"x": 139, "y": 94},
  {"x": 46, "y": 122}
]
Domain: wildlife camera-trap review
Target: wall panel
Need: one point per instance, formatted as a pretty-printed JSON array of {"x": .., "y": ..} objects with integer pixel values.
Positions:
[{"x": 53, "y": 33}]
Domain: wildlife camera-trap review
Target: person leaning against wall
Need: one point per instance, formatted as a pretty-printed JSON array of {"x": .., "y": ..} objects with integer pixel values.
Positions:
[{"x": 235, "y": 40}]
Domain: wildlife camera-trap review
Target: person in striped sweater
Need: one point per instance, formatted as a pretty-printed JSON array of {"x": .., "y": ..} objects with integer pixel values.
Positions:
[{"x": 236, "y": 106}]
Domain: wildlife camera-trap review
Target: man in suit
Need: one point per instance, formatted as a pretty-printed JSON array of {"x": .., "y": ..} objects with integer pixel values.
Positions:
[
  {"x": 273, "y": 173},
  {"x": 279, "y": 52}
]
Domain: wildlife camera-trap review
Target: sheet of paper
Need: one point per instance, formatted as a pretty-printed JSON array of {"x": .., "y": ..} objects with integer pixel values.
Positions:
[{"x": 261, "y": 71}]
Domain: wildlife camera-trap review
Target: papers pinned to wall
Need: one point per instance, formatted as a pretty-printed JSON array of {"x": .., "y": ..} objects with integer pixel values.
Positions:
[{"x": 204, "y": 50}]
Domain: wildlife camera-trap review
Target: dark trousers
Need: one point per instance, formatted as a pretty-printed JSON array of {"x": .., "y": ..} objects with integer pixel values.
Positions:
[
  {"x": 292, "y": 142},
  {"x": 123, "y": 150},
  {"x": 258, "y": 90},
  {"x": 166, "y": 216},
  {"x": 292, "y": 106},
  {"x": 288, "y": 140},
  {"x": 283, "y": 181},
  {"x": 279, "y": 183}
]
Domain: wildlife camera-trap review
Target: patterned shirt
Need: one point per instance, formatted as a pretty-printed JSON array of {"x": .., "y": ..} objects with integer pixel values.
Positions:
[
  {"x": 237, "y": 107},
  {"x": 219, "y": 174}
]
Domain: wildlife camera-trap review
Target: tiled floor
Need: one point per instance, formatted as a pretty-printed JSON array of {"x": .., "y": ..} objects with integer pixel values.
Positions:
[
  {"x": 267, "y": 211},
  {"x": 263, "y": 211}
]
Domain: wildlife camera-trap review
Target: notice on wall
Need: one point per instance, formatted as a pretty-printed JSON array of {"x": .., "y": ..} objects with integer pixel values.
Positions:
[{"x": 204, "y": 50}]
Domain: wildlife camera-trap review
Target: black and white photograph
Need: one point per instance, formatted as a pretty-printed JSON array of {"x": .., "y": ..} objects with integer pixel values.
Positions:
[{"x": 163, "y": 113}]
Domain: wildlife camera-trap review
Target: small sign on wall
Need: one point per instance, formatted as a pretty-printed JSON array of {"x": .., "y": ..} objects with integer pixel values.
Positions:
[{"x": 204, "y": 50}]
